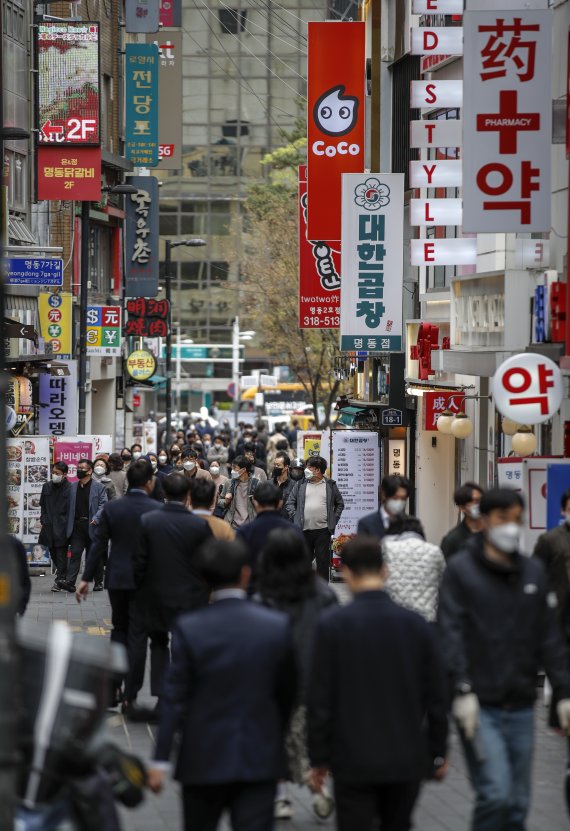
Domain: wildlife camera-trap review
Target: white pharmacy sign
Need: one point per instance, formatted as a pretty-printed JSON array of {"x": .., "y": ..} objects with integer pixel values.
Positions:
[
  {"x": 507, "y": 121},
  {"x": 372, "y": 262},
  {"x": 528, "y": 388}
]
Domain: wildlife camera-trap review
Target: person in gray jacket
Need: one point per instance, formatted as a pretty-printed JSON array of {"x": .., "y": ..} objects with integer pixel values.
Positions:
[
  {"x": 315, "y": 505},
  {"x": 236, "y": 497}
]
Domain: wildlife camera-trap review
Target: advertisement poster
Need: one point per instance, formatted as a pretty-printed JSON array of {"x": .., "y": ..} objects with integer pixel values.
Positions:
[
  {"x": 313, "y": 443},
  {"x": 372, "y": 262},
  {"x": 73, "y": 448},
  {"x": 28, "y": 470},
  {"x": 335, "y": 119},
  {"x": 319, "y": 273},
  {"x": 356, "y": 470},
  {"x": 68, "y": 83}
]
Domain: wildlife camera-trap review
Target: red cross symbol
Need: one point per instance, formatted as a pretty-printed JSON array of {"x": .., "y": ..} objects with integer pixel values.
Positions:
[{"x": 507, "y": 122}]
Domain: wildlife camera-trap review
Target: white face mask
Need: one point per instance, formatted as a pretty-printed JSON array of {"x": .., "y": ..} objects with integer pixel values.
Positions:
[
  {"x": 136, "y": 455},
  {"x": 153, "y": 465},
  {"x": 99, "y": 471},
  {"x": 395, "y": 506},
  {"x": 236, "y": 474},
  {"x": 163, "y": 460},
  {"x": 505, "y": 537},
  {"x": 308, "y": 473},
  {"x": 474, "y": 512},
  {"x": 214, "y": 470},
  {"x": 189, "y": 465},
  {"x": 56, "y": 478}
]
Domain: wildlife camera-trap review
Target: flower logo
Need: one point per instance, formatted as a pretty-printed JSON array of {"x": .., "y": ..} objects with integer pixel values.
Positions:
[{"x": 372, "y": 194}]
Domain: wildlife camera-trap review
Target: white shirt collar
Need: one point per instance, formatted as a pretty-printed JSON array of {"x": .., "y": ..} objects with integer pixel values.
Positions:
[
  {"x": 386, "y": 518},
  {"x": 228, "y": 594},
  {"x": 201, "y": 512}
]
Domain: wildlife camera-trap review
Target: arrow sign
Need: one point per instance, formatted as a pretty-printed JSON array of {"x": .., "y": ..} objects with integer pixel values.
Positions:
[
  {"x": 50, "y": 130},
  {"x": 13, "y": 329}
]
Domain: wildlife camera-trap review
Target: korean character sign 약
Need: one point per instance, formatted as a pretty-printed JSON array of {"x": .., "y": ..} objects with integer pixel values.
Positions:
[
  {"x": 507, "y": 115},
  {"x": 528, "y": 388},
  {"x": 372, "y": 262}
]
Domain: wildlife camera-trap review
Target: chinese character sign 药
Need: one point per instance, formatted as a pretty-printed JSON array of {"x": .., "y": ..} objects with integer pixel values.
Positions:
[
  {"x": 507, "y": 121},
  {"x": 372, "y": 262}
]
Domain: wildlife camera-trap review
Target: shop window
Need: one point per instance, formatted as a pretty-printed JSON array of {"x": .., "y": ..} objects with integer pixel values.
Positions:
[{"x": 232, "y": 21}]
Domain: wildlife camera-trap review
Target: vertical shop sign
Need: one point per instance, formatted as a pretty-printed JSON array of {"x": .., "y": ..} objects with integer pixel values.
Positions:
[
  {"x": 141, "y": 238},
  {"x": 55, "y": 321},
  {"x": 507, "y": 121},
  {"x": 335, "y": 115},
  {"x": 142, "y": 15},
  {"x": 169, "y": 45},
  {"x": 141, "y": 104},
  {"x": 65, "y": 173},
  {"x": 319, "y": 273},
  {"x": 170, "y": 13},
  {"x": 104, "y": 330},
  {"x": 58, "y": 403},
  {"x": 372, "y": 262}
]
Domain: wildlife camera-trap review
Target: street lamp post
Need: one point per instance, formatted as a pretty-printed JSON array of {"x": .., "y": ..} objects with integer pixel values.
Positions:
[
  {"x": 170, "y": 244},
  {"x": 237, "y": 336},
  {"x": 83, "y": 300}
]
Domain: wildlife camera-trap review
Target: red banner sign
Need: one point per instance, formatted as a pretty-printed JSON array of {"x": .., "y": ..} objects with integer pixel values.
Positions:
[
  {"x": 319, "y": 273},
  {"x": 69, "y": 173},
  {"x": 434, "y": 403},
  {"x": 335, "y": 114}
]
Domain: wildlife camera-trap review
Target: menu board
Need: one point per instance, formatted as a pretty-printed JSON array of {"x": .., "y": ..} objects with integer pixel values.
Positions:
[
  {"x": 356, "y": 468},
  {"x": 28, "y": 470}
]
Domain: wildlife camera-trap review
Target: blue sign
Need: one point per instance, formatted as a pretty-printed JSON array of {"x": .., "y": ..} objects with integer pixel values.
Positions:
[
  {"x": 141, "y": 104},
  {"x": 187, "y": 352},
  {"x": 557, "y": 481},
  {"x": 22, "y": 271},
  {"x": 392, "y": 418}
]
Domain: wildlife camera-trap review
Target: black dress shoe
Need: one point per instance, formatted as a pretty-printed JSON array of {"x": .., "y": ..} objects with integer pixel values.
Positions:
[
  {"x": 68, "y": 587},
  {"x": 135, "y": 713},
  {"x": 98, "y": 587}
]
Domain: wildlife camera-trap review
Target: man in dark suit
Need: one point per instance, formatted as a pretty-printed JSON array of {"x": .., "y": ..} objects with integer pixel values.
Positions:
[
  {"x": 119, "y": 525},
  {"x": 86, "y": 500},
  {"x": 167, "y": 576},
  {"x": 376, "y": 679},
  {"x": 230, "y": 689},
  {"x": 268, "y": 502},
  {"x": 394, "y": 493}
]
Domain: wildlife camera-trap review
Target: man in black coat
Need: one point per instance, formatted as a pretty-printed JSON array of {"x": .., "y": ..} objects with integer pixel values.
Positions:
[
  {"x": 394, "y": 493},
  {"x": 268, "y": 503},
  {"x": 166, "y": 572},
  {"x": 376, "y": 680},
  {"x": 54, "y": 506},
  {"x": 231, "y": 689},
  {"x": 119, "y": 525}
]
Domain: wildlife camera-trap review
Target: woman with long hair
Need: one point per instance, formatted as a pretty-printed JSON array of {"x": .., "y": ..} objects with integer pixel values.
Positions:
[{"x": 288, "y": 583}]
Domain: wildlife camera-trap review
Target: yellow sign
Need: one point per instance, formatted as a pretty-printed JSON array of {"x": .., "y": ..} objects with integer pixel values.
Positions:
[
  {"x": 55, "y": 321},
  {"x": 312, "y": 445},
  {"x": 141, "y": 365}
]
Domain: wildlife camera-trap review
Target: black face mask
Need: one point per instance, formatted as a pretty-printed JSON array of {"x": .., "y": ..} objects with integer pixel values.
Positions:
[
  {"x": 126, "y": 458},
  {"x": 81, "y": 474},
  {"x": 276, "y": 472},
  {"x": 297, "y": 474}
]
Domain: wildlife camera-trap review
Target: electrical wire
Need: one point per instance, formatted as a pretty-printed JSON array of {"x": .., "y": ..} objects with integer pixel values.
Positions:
[
  {"x": 268, "y": 68},
  {"x": 287, "y": 11},
  {"x": 263, "y": 29},
  {"x": 275, "y": 20}
]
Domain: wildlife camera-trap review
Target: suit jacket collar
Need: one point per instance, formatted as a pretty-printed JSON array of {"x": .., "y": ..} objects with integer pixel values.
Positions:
[
  {"x": 379, "y": 595},
  {"x": 178, "y": 507}
]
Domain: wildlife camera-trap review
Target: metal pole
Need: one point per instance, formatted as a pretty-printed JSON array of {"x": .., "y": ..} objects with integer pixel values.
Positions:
[
  {"x": 167, "y": 279},
  {"x": 83, "y": 292},
  {"x": 178, "y": 368},
  {"x": 235, "y": 366}
]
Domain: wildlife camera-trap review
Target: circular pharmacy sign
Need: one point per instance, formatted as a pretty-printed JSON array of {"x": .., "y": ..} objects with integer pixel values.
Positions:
[
  {"x": 528, "y": 388},
  {"x": 141, "y": 365}
]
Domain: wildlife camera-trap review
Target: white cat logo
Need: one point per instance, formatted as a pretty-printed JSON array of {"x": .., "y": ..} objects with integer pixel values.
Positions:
[{"x": 335, "y": 113}]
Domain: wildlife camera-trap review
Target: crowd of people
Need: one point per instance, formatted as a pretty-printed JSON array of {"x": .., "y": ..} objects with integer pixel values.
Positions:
[{"x": 216, "y": 553}]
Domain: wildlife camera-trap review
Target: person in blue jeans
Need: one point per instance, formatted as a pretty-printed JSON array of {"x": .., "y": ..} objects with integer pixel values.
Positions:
[{"x": 498, "y": 624}]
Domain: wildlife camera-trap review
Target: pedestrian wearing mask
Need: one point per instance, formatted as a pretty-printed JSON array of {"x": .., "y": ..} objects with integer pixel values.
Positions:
[
  {"x": 136, "y": 451},
  {"x": 101, "y": 471},
  {"x": 281, "y": 479},
  {"x": 315, "y": 506},
  {"x": 219, "y": 480},
  {"x": 467, "y": 499},
  {"x": 236, "y": 498},
  {"x": 218, "y": 453},
  {"x": 164, "y": 465},
  {"x": 126, "y": 457},
  {"x": 415, "y": 567},
  {"x": 191, "y": 468},
  {"x": 157, "y": 492},
  {"x": 288, "y": 583},
  {"x": 394, "y": 493},
  {"x": 296, "y": 471},
  {"x": 198, "y": 446},
  {"x": 54, "y": 507},
  {"x": 175, "y": 451},
  {"x": 498, "y": 625},
  {"x": 249, "y": 453},
  {"x": 118, "y": 474},
  {"x": 86, "y": 501}
]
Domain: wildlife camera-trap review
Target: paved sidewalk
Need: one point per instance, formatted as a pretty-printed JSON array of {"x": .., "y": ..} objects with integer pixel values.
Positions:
[{"x": 443, "y": 807}]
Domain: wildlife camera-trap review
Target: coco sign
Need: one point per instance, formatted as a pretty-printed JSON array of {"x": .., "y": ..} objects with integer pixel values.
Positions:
[{"x": 528, "y": 388}]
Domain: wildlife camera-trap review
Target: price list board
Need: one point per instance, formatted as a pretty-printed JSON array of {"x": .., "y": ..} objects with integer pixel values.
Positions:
[{"x": 356, "y": 466}]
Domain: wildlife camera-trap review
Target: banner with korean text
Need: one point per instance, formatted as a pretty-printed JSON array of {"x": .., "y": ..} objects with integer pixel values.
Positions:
[
  {"x": 319, "y": 272},
  {"x": 141, "y": 238},
  {"x": 507, "y": 121},
  {"x": 58, "y": 402},
  {"x": 141, "y": 104},
  {"x": 372, "y": 262},
  {"x": 335, "y": 119}
]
